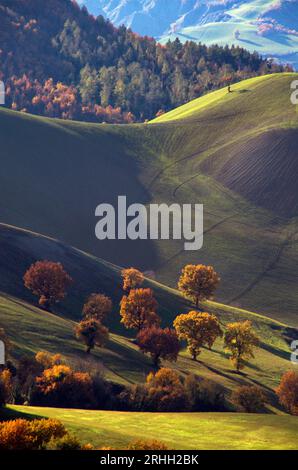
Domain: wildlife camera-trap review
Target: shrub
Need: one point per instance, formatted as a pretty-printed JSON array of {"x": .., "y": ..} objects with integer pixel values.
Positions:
[
  {"x": 166, "y": 391},
  {"x": 66, "y": 442},
  {"x": 6, "y": 386},
  {"x": 27, "y": 371},
  {"x": 103, "y": 392},
  {"x": 21, "y": 434},
  {"x": 48, "y": 360},
  {"x": 204, "y": 395},
  {"x": 146, "y": 445},
  {"x": 287, "y": 392},
  {"x": 249, "y": 399},
  {"x": 135, "y": 398},
  {"x": 61, "y": 386}
]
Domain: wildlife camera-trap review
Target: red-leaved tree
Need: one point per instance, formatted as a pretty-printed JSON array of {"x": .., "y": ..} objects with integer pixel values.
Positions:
[
  {"x": 48, "y": 281},
  {"x": 159, "y": 343}
]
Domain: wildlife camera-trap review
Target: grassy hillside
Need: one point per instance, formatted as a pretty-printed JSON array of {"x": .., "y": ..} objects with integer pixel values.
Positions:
[
  {"x": 208, "y": 431},
  {"x": 56, "y": 173},
  {"x": 31, "y": 329}
]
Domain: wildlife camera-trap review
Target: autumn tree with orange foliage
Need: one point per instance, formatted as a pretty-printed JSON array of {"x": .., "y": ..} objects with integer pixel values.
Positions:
[
  {"x": 141, "y": 444},
  {"x": 47, "y": 360},
  {"x": 287, "y": 392},
  {"x": 240, "y": 341},
  {"x": 48, "y": 281},
  {"x": 166, "y": 391},
  {"x": 138, "y": 309},
  {"x": 159, "y": 343},
  {"x": 249, "y": 398},
  {"x": 61, "y": 386},
  {"x": 92, "y": 333},
  {"x": 132, "y": 278},
  {"x": 98, "y": 306},
  {"x": 6, "y": 386},
  {"x": 198, "y": 282},
  {"x": 22, "y": 434},
  {"x": 198, "y": 329}
]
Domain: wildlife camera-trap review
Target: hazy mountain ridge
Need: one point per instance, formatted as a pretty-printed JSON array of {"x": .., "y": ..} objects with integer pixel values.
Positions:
[{"x": 268, "y": 26}]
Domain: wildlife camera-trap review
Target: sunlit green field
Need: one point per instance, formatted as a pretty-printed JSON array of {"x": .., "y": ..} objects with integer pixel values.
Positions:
[{"x": 223, "y": 431}]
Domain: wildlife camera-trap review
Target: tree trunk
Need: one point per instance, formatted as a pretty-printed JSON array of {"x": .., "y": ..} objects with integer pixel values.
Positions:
[{"x": 44, "y": 304}]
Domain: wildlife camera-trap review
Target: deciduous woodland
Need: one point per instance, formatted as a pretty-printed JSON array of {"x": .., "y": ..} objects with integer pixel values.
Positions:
[{"x": 58, "y": 61}]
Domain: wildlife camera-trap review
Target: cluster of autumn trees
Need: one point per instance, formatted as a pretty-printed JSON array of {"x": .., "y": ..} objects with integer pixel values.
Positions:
[
  {"x": 50, "y": 381},
  {"x": 59, "y": 61},
  {"x": 58, "y": 100},
  {"x": 138, "y": 311}
]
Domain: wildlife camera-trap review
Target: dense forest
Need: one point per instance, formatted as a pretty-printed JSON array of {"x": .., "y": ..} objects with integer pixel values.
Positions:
[{"x": 59, "y": 61}]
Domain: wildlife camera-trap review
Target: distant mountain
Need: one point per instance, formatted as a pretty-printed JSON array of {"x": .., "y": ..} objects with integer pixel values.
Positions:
[{"x": 267, "y": 26}]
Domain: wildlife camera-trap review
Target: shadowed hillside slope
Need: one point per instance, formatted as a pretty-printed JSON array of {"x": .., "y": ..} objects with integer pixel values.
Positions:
[{"x": 216, "y": 150}]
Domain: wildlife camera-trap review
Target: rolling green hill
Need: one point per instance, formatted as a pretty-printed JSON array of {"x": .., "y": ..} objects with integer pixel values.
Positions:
[
  {"x": 31, "y": 329},
  {"x": 234, "y": 152},
  {"x": 181, "y": 431}
]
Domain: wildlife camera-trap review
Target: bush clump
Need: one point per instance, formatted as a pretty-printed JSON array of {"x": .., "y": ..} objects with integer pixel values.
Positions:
[
  {"x": 249, "y": 399},
  {"x": 22, "y": 434}
]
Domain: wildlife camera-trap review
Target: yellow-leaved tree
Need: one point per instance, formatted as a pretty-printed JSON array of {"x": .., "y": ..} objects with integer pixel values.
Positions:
[
  {"x": 198, "y": 329},
  {"x": 132, "y": 278},
  {"x": 198, "y": 282},
  {"x": 92, "y": 333},
  {"x": 240, "y": 341},
  {"x": 138, "y": 309}
]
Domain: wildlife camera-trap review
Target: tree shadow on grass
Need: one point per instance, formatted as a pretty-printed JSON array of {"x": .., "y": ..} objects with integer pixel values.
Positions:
[{"x": 276, "y": 351}]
